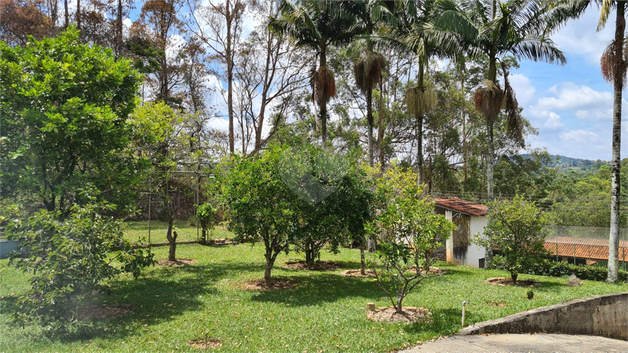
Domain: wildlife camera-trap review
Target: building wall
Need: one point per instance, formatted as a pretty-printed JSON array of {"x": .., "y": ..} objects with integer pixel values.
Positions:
[{"x": 476, "y": 252}]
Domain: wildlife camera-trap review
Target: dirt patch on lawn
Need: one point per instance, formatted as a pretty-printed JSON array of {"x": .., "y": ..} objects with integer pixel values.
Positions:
[
  {"x": 358, "y": 273},
  {"x": 276, "y": 284},
  {"x": 318, "y": 266},
  {"x": 104, "y": 311},
  {"x": 177, "y": 262},
  {"x": 503, "y": 281},
  {"x": 206, "y": 342},
  {"x": 410, "y": 314},
  {"x": 432, "y": 271}
]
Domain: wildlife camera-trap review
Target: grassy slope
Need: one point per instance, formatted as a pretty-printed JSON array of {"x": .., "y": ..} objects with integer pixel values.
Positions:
[
  {"x": 326, "y": 312},
  {"x": 135, "y": 231}
]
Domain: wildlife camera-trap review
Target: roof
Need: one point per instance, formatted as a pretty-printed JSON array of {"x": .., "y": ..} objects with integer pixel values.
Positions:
[
  {"x": 584, "y": 248},
  {"x": 464, "y": 206}
]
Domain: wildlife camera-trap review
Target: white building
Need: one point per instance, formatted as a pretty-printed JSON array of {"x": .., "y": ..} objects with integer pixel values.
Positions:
[{"x": 471, "y": 218}]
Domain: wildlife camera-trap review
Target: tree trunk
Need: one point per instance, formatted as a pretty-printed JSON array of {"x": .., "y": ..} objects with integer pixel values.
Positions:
[
  {"x": 613, "y": 248},
  {"x": 270, "y": 262},
  {"x": 229, "y": 55},
  {"x": 119, "y": 39},
  {"x": 362, "y": 257},
  {"x": 514, "y": 276},
  {"x": 490, "y": 158},
  {"x": 419, "y": 153},
  {"x": 66, "y": 14},
  {"x": 380, "y": 127},
  {"x": 369, "y": 118},
  {"x": 78, "y": 14},
  {"x": 323, "y": 104},
  {"x": 172, "y": 239}
]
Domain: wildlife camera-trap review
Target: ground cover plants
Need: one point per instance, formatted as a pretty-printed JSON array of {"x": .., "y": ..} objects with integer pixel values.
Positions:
[{"x": 173, "y": 306}]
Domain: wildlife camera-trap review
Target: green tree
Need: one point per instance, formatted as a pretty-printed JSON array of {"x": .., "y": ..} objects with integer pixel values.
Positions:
[
  {"x": 68, "y": 260},
  {"x": 206, "y": 215},
  {"x": 518, "y": 229},
  {"x": 161, "y": 140},
  {"x": 63, "y": 111},
  {"x": 408, "y": 230},
  {"x": 259, "y": 203}
]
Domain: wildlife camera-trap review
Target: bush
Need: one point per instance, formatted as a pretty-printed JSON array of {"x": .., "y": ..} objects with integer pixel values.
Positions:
[
  {"x": 559, "y": 269},
  {"x": 69, "y": 259}
]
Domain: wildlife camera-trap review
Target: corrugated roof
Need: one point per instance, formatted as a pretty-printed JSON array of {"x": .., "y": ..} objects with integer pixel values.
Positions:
[
  {"x": 454, "y": 203},
  {"x": 584, "y": 248}
]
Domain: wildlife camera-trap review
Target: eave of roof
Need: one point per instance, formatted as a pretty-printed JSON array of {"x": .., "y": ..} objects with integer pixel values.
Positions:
[{"x": 463, "y": 206}]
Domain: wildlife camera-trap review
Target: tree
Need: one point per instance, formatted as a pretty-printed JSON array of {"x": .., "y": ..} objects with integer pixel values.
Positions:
[
  {"x": 409, "y": 230},
  {"x": 224, "y": 23},
  {"x": 68, "y": 258},
  {"x": 317, "y": 25},
  {"x": 161, "y": 140},
  {"x": 21, "y": 19},
  {"x": 259, "y": 203},
  {"x": 157, "y": 26},
  {"x": 613, "y": 64},
  {"x": 518, "y": 229},
  {"x": 63, "y": 110},
  {"x": 518, "y": 27}
]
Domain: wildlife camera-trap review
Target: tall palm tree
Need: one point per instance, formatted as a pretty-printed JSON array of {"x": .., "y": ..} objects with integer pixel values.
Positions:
[
  {"x": 508, "y": 27},
  {"x": 370, "y": 65},
  {"x": 317, "y": 25},
  {"x": 521, "y": 28},
  {"x": 614, "y": 70},
  {"x": 421, "y": 34}
]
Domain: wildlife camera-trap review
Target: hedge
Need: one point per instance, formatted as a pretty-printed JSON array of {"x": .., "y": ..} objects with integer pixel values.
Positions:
[{"x": 559, "y": 269}]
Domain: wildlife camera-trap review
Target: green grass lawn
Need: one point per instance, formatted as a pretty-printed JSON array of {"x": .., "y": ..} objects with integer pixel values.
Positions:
[
  {"x": 325, "y": 312},
  {"x": 135, "y": 231}
]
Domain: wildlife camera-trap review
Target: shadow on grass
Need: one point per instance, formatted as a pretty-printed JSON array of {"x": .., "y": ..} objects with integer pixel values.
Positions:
[
  {"x": 444, "y": 322},
  {"x": 316, "y": 288}
]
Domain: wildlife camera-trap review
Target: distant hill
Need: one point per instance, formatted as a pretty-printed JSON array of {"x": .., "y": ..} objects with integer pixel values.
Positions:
[{"x": 568, "y": 163}]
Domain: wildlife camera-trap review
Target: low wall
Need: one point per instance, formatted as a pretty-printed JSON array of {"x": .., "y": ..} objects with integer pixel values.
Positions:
[{"x": 602, "y": 315}]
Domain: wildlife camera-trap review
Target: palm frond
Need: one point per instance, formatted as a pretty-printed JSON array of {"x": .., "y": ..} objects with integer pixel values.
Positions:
[
  {"x": 368, "y": 70},
  {"x": 514, "y": 120},
  {"x": 488, "y": 100},
  {"x": 609, "y": 65},
  {"x": 605, "y": 11},
  {"x": 539, "y": 48}
]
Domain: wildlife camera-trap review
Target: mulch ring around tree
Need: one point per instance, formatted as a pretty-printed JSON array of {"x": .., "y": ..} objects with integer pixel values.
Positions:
[
  {"x": 205, "y": 342},
  {"x": 177, "y": 262},
  {"x": 318, "y": 266},
  {"x": 104, "y": 311},
  {"x": 358, "y": 273},
  {"x": 410, "y": 314},
  {"x": 503, "y": 281},
  {"x": 275, "y": 284}
]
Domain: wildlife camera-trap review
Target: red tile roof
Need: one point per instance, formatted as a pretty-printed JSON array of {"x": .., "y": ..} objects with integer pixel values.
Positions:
[
  {"x": 454, "y": 203},
  {"x": 584, "y": 248}
]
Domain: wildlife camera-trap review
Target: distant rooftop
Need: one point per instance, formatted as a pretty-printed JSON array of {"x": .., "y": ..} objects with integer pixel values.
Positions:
[{"x": 464, "y": 206}]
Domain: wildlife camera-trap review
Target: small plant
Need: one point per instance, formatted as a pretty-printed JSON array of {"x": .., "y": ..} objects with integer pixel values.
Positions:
[
  {"x": 530, "y": 295},
  {"x": 408, "y": 231},
  {"x": 206, "y": 214}
]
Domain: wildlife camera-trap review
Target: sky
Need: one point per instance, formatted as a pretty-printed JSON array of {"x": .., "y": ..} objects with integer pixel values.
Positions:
[{"x": 572, "y": 105}]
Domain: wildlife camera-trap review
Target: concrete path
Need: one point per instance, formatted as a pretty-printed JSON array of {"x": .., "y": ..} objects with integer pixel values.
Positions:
[{"x": 522, "y": 343}]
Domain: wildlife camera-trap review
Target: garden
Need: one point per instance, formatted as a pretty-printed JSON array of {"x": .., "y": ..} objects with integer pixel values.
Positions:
[{"x": 172, "y": 308}]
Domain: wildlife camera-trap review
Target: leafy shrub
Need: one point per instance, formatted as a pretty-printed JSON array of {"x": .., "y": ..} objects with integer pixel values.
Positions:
[
  {"x": 69, "y": 259},
  {"x": 559, "y": 269},
  {"x": 206, "y": 214}
]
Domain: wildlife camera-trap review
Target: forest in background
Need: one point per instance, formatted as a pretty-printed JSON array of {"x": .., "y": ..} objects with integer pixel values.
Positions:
[{"x": 215, "y": 62}]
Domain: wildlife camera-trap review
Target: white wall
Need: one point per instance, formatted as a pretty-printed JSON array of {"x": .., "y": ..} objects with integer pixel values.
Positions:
[{"x": 476, "y": 252}]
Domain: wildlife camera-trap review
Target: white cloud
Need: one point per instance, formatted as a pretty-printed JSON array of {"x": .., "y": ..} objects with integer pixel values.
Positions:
[
  {"x": 553, "y": 122},
  {"x": 548, "y": 118},
  {"x": 581, "y": 38},
  {"x": 523, "y": 88},
  {"x": 580, "y": 136},
  {"x": 570, "y": 96},
  {"x": 219, "y": 124}
]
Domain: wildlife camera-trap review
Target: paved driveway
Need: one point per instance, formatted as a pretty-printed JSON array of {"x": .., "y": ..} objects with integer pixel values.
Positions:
[{"x": 522, "y": 343}]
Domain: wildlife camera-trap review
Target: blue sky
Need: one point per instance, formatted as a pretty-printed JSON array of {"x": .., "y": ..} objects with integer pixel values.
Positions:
[{"x": 572, "y": 105}]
